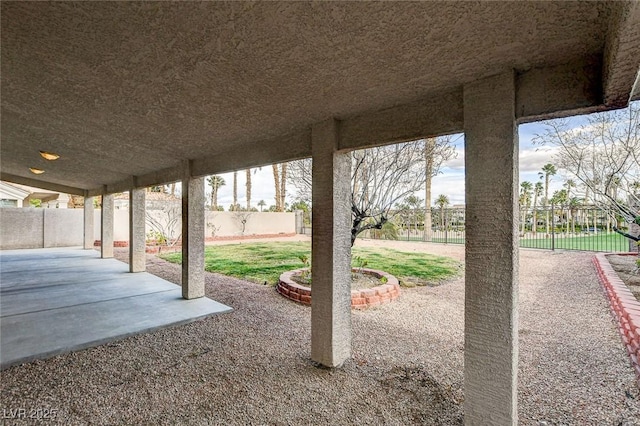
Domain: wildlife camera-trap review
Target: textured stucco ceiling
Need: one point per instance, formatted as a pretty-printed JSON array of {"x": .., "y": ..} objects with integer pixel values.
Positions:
[{"x": 121, "y": 89}]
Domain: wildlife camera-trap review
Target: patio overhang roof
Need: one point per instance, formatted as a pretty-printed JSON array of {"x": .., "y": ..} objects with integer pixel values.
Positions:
[{"x": 134, "y": 94}]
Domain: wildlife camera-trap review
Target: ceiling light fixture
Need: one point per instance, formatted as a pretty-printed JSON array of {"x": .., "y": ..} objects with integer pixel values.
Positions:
[
  {"x": 36, "y": 171},
  {"x": 49, "y": 155}
]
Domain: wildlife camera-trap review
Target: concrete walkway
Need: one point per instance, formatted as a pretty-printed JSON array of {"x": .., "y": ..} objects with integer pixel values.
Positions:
[{"x": 54, "y": 301}]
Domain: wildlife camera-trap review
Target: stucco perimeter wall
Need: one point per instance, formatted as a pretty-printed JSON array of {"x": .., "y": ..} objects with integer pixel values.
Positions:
[
  {"x": 226, "y": 224},
  {"x": 217, "y": 224},
  {"x": 63, "y": 227},
  {"x": 37, "y": 228},
  {"x": 120, "y": 224},
  {"x": 21, "y": 228}
]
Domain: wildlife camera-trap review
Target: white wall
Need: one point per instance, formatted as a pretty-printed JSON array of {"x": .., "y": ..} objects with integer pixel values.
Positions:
[{"x": 218, "y": 224}]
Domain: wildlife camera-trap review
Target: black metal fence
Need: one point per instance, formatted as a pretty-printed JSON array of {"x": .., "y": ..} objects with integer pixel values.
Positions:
[{"x": 585, "y": 228}]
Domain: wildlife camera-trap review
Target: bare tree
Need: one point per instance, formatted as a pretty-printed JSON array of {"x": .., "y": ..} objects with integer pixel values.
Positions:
[
  {"x": 604, "y": 156},
  {"x": 242, "y": 218},
  {"x": 380, "y": 177},
  {"x": 164, "y": 223},
  {"x": 299, "y": 175},
  {"x": 436, "y": 152}
]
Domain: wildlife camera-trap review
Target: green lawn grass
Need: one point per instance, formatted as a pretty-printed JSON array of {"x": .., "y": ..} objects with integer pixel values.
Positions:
[
  {"x": 264, "y": 262},
  {"x": 592, "y": 242},
  {"x": 607, "y": 242}
]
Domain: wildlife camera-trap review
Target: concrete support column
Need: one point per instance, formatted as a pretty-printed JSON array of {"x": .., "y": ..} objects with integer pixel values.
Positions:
[
  {"x": 192, "y": 237},
  {"x": 331, "y": 248},
  {"x": 491, "y": 286},
  {"x": 89, "y": 238},
  {"x": 106, "y": 227},
  {"x": 137, "y": 243}
]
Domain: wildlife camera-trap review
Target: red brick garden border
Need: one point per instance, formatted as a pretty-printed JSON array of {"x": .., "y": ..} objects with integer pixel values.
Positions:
[
  {"x": 360, "y": 299},
  {"x": 624, "y": 307}
]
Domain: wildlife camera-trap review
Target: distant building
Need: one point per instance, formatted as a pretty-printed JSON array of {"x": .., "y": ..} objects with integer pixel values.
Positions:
[{"x": 14, "y": 195}]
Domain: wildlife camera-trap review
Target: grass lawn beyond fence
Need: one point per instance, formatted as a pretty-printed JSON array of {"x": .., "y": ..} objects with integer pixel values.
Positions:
[
  {"x": 602, "y": 241},
  {"x": 264, "y": 262}
]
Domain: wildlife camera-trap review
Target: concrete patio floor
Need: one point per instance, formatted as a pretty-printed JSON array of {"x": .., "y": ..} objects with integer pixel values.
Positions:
[{"x": 54, "y": 301}]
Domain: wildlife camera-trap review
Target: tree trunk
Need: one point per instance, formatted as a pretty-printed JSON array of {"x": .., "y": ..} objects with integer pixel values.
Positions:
[
  {"x": 283, "y": 186},
  {"x": 546, "y": 199},
  {"x": 235, "y": 191},
  {"x": 214, "y": 198},
  {"x": 428, "y": 174},
  {"x": 248, "y": 186},
  {"x": 276, "y": 181}
]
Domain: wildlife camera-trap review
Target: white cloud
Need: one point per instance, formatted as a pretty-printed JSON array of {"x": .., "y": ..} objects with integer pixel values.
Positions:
[
  {"x": 455, "y": 163},
  {"x": 533, "y": 159},
  {"x": 451, "y": 185}
]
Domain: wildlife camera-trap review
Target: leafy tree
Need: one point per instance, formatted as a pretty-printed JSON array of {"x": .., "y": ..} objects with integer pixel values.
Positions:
[
  {"x": 410, "y": 211},
  {"x": 261, "y": 204}
]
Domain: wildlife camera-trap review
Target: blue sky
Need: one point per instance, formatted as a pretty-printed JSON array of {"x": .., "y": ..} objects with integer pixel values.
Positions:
[{"x": 450, "y": 182}]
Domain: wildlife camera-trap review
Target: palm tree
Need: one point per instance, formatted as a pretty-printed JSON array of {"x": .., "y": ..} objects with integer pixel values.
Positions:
[
  {"x": 574, "y": 205},
  {"x": 559, "y": 199},
  {"x": 248, "y": 188},
  {"x": 525, "y": 201},
  {"x": 276, "y": 182},
  {"x": 280, "y": 182},
  {"x": 261, "y": 204},
  {"x": 569, "y": 184},
  {"x": 548, "y": 170},
  {"x": 537, "y": 193},
  {"x": 430, "y": 145},
  {"x": 234, "y": 206},
  {"x": 442, "y": 202},
  {"x": 216, "y": 182}
]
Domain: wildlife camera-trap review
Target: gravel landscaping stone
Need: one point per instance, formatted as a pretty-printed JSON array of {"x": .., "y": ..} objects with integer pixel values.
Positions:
[{"x": 253, "y": 366}]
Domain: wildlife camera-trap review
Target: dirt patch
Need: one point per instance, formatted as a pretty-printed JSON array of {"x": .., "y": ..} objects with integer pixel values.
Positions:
[
  {"x": 627, "y": 270},
  {"x": 359, "y": 280}
]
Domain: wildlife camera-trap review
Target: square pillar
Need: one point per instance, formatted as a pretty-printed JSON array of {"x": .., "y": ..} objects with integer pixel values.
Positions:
[
  {"x": 491, "y": 252},
  {"x": 106, "y": 227},
  {"x": 89, "y": 238},
  {"x": 192, "y": 237},
  {"x": 330, "y": 248},
  {"x": 137, "y": 237}
]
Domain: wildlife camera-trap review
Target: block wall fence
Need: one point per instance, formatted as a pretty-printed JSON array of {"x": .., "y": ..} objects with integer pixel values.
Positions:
[{"x": 22, "y": 228}]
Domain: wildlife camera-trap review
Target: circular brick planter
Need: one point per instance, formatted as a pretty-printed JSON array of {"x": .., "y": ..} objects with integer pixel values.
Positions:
[{"x": 360, "y": 299}]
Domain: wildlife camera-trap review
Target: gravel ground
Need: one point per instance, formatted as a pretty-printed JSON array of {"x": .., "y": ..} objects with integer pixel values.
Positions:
[{"x": 252, "y": 366}]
